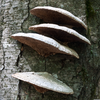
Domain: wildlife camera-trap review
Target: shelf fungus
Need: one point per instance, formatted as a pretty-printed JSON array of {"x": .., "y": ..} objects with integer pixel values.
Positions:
[
  {"x": 43, "y": 82},
  {"x": 58, "y": 16},
  {"x": 43, "y": 45},
  {"x": 61, "y": 33}
]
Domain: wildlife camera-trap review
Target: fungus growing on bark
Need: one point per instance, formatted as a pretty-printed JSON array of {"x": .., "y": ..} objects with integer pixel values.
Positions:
[
  {"x": 57, "y": 16},
  {"x": 44, "y": 81},
  {"x": 61, "y": 33},
  {"x": 43, "y": 45}
]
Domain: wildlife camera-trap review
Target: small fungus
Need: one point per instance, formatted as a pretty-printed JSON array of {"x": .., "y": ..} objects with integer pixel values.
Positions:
[
  {"x": 58, "y": 16},
  {"x": 61, "y": 33},
  {"x": 44, "y": 81},
  {"x": 43, "y": 45}
]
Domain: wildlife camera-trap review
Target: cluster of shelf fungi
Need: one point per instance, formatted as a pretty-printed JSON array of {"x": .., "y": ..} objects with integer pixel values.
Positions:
[{"x": 56, "y": 29}]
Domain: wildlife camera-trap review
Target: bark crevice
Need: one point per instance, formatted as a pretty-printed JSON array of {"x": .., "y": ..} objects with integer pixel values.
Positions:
[
  {"x": 20, "y": 55},
  {"x": 19, "y": 91},
  {"x": 28, "y": 15},
  {"x": 3, "y": 64}
]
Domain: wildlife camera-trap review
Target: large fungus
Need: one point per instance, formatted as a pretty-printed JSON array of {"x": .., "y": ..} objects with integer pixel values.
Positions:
[
  {"x": 61, "y": 33},
  {"x": 44, "y": 81},
  {"x": 43, "y": 45},
  {"x": 57, "y": 16}
]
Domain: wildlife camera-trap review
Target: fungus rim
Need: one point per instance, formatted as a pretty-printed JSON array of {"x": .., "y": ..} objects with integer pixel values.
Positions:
[
  {"x": 60, "y": 11},
  {"x": 48, "y": 41},
  {"x": 60, "y": 28},
  {"x": 44, "y": 80}
]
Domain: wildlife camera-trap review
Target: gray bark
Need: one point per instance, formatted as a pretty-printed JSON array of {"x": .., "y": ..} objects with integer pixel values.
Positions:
[{"x": 80, "y": 74}]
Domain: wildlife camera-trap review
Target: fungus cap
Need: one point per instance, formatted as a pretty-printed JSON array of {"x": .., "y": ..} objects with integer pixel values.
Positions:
[
  {"x": 61, "y": 33},
  {"x": 43, "y": 45},
  {"x": 57, "y": 16},
  {"x": 44, "y": 80}
]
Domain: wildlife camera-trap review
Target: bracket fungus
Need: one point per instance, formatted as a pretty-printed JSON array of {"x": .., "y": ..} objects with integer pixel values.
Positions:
[
  {"x": 58, "y": 16},
  {"x": 44, "y": 81},
  {"x": 43, "y": 45},
  {"x": 61, "y": 33}
]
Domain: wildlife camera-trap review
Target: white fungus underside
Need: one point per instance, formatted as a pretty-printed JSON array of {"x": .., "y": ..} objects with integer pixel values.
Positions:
[
  {"x": 63, "y": 12},
  {"x": 63, "y": 28},
  {"x": 49, "y": 41},
  {"x": 44, "y": 80}
]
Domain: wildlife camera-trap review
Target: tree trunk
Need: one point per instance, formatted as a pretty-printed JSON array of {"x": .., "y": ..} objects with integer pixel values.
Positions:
[{"x": 82, "y": 75}]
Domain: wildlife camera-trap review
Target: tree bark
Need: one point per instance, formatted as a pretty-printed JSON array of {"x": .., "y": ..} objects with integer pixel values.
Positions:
[{"x": 82, "y": 75}]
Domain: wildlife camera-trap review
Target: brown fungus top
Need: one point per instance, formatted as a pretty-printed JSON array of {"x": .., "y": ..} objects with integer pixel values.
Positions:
[
  {"x": 58, "y": 16},
  {"x": 43, "y": 45},
  {"x": 44, "y": 80}
]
